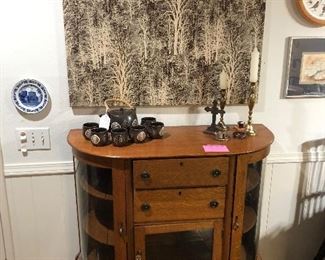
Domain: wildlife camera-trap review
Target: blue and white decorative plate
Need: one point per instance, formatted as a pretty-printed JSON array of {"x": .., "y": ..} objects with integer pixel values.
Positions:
[{"x": 30, "y": 96}]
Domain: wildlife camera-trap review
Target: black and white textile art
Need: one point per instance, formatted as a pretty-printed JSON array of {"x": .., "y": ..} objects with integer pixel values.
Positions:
[{"x": 160, "y": 52}]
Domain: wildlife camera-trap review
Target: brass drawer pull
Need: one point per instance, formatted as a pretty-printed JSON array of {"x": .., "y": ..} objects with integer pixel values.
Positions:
[
  {"x": 236, "y": 224},
  {"x": 122, "y": 231},
  {"x": 145, "y": 176},
  {"x": 214, "y": 204},
  {"x": 138, "y": 256},
  {"x": 216, "y": 173},
  {"x": 145, "y": 207}
]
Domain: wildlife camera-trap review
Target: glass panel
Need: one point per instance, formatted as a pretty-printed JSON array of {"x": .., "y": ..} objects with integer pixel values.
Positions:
[
  {"x": 251, "y": 209},
  {"x": 95, "y": 211},
  {"x": 185, "y": 245},
  {"x": 100, "y": 178}
]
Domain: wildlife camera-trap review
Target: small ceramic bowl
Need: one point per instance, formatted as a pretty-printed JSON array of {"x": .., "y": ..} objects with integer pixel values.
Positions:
[
  {"x": 120, "y": 136},
  {"x": 100, "y": 136},
  {"x": 86, "y": 129},
  {"x": 138, "y": 133},
  {"x": 156, "y": 130}
]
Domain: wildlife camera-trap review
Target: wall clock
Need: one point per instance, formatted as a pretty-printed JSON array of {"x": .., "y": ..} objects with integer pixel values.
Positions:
[{"x": 312, "y": 10}]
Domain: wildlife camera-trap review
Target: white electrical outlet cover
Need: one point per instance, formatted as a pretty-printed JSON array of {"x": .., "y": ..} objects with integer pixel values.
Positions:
[{"x": 30, "y": 96}]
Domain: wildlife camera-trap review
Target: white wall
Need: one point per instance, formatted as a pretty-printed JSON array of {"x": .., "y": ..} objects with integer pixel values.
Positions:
[{"x": 32, "y": 46}]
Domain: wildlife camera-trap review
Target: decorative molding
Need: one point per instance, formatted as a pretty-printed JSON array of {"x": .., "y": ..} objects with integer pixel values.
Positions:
[
  {"x": 66, "y": 167},
  {"x": 35, "y": 169},
  {"x": 296, "y": 157}
]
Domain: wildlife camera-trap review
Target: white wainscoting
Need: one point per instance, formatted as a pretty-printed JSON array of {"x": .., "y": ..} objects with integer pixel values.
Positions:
[
  {"x": 292, "y": 206},
  {"x": 43, "y": 217},
  {"x": 44, "y": 222}
]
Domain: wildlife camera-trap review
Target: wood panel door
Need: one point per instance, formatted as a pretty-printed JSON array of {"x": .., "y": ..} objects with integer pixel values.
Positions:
[{"x": 179, "y": 241}]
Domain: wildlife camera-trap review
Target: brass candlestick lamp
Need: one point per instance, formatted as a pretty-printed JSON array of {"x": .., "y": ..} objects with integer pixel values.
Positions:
[
  {"x": 222, "y": 99},
  {"x": 251, "y": 103},
  {"x": 222, "y": 104},
  {"x": 253, "y": 78},
  {"x": 219, "y": 108}
]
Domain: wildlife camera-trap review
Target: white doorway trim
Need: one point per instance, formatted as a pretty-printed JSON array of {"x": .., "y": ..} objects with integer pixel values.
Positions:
[{"x": 5, "y": 215}]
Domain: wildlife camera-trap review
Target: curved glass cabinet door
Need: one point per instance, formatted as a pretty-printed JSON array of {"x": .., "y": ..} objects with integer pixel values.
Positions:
[
  {"x": 95, "y": 211},
  {"x": 249, "y": 237},
  {"x": 244, "y": 235}
]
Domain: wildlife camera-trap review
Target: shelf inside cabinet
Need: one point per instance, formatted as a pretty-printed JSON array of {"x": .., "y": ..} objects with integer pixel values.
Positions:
[
  {"x": 97, "y": 231},
  {"x": 92, "y": 191},
  {"x": 250, "y": 218},
  {"x": 253, "y": 179}
]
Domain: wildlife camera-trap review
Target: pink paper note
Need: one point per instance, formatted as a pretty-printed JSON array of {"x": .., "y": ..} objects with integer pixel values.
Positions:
[{"x": 215, "y": 148}]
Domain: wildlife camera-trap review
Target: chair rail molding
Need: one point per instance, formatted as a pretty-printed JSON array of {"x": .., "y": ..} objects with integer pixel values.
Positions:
[
  {"x": 296, "y": 157},
  {"x": 35, "y": 169}
]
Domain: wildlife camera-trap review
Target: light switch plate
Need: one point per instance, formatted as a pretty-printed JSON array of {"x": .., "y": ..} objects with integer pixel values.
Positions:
[{"x": 33, "y": 138}]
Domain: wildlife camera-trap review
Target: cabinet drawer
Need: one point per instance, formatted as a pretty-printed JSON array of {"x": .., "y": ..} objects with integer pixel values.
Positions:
[
  {"x": 179, "y": 204},
  {"x": 172, "y": 173}
]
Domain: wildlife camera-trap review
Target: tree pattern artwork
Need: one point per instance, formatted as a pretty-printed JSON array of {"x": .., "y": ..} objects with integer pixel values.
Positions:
[{"x": 160, "y": 52}]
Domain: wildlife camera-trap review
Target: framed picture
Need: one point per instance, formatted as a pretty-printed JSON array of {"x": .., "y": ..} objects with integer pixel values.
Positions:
[{"x": 306, "y": 68}]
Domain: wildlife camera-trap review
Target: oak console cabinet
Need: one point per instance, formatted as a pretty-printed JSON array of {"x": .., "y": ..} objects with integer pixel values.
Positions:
[{"x": 167, "y": 199}]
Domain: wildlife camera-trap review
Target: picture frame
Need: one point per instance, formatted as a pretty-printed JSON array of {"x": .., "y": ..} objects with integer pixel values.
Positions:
[{"x": 306, "y": 68}]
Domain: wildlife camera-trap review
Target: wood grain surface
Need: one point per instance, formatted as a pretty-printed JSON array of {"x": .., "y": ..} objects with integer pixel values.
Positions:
[
  {"x": 181, "y": 141},
  {"x": 173, "y": 173},
  {"x": 179, "y": 204}
]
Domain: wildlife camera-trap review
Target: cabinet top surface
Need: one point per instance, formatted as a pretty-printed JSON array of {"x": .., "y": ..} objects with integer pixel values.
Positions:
[{"x": 179, "y": 141}]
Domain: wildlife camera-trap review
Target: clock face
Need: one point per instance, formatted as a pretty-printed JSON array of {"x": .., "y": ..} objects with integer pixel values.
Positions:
[{"x": 315, "y": 8}]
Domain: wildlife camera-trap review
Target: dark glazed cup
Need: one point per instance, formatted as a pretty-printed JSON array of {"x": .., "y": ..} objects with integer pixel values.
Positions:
[
  {"x": 156, "y": 130},
  {"x": 147, "y": 120},
  {"x": 120, "y": 136},
  {"x": 241, "y": 124},
  {"x": 100, "y": 136},
  {"x": 138, "y": 134},
  {"x": 86, "y": 129}
]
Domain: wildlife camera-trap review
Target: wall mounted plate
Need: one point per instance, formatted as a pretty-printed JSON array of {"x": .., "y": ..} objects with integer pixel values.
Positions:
[{"x": 30, "y": 96}]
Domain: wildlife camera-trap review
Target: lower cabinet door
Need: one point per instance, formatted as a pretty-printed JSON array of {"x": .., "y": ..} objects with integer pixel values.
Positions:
[{"x": 185, "y": 241}]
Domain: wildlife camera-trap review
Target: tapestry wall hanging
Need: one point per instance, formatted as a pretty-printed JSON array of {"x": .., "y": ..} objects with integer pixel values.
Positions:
[{"x": 160, "y": 52}]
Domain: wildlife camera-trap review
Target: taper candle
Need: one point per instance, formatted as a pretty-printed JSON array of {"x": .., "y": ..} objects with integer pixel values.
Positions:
[
  {"x": 223, "y": 80},
  {"x": 255, "y": 58}
]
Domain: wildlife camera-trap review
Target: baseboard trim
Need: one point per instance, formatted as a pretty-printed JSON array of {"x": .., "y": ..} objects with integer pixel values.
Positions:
[{"x": 66, "y": 167}]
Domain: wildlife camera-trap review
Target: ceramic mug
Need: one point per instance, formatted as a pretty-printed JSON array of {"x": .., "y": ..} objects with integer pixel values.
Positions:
[
  {"x": 86, "y": 129},
  {"x": 147, "y": 120},
  {"x": 156, "y": 130},
  {"x": 100, "y": 136},
  {"x": 120, "y": 136},
  {"x": 241, "y": 124},
  {"x": 138, "y": 133}
]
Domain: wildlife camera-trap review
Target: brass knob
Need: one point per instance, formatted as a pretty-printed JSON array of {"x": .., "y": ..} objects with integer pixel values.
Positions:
[
  {"x": 138, "y": 256},
  {"x": 145, "y": 207},
  {"x": 236, "y": 224},
  {"x": 145, "y": 176},
  {"x": 214, "y": 204},
  {"x": 216, "y": 173}
]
